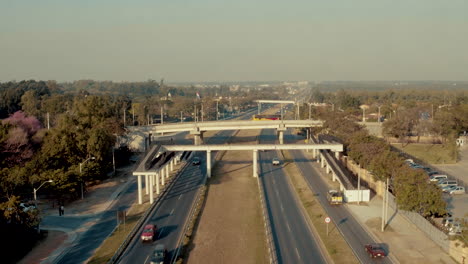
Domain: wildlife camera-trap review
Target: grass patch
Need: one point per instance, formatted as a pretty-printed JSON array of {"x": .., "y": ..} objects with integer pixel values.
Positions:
[
  {"x": 334, "y": 243},
  {"x": 429, "y": 153},
  {"x": 108, "y": 248}
]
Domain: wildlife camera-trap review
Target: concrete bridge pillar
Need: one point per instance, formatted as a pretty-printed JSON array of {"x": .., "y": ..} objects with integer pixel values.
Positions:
[
  {"x": 281, "y": 137},
  {"x": 157, "y": 182},
  {"x": 328, "y": 169},
  {"x": 337, "y": 155},
  {"x": 167, "y": 171},
  {"x": 208, "y": 163},
  {"x": 322, "y": 161},
  {"x": 151, "y": 189},
  {"x": 172, "y": 164},
  {"x": 333, "y": 176},
  {"x": 146, "y": 184},
  {"x": 140, "y": 198},
  {"x": 162, "y": 176},
  {"x": 198, "y": 138},
  {"x": 255, "y": 158},
  {"x": 317, "y": 155}
]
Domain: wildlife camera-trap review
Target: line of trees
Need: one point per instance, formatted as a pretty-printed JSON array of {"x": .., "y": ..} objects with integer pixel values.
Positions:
[{"x": 412, "y": 190}]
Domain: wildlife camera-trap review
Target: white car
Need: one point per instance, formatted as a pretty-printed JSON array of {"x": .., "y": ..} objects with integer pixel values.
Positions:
[
  {"x": 448, "y": 189},
  {"x": 458, "y": 190},
  {"x": 275, "y": 161}
]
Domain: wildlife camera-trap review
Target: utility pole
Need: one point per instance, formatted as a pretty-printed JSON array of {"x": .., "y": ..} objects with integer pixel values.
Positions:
[
  {"x": 125, "y": 117},
  {"x": 202, "y": 112},
  {"x": 48, "y": 121},
  {"x": 217, "y": 112},
  {"x": 379, "y": 113},
  {"x": 181, "y": 120},
  {"x": 162, "y": 115}
]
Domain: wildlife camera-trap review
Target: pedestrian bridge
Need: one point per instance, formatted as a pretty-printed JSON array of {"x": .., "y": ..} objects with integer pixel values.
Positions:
[{"x": 198, "y": 128}]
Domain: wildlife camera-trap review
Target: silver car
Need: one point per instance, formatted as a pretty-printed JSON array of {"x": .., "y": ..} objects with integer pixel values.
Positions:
[{"x": 458, "y": 190}]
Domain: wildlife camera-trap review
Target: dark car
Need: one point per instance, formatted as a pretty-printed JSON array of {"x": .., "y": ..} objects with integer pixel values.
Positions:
[
  {"x": 159, "y": 254},
  {"x": 375, "y": 251},
  {"x": 196, "y": 161}
]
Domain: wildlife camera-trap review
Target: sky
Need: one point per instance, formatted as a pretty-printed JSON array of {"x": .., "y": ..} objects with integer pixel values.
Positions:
[{"x": 242, "y": 40}]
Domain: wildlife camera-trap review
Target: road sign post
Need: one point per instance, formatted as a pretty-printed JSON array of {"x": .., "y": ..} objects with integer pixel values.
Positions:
[{"x": 327, "y": 221}]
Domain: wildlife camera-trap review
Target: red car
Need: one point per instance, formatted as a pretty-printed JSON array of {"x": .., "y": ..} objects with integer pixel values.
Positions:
[
  {"x": 149, "y": 232},
  {"x": 375, "y": 251}
]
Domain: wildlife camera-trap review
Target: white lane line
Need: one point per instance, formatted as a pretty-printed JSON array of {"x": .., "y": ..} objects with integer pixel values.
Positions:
[
  {"x": 289, "y": 228},
  {"x": 160, "y": 232},
  {"x": 172, "y": 212},
  {"x": 282, "y": 208},
  {"x": 146, "y": 259},
  {"x": 297, "y": 253},
  {"x": 180, "y": 196}
]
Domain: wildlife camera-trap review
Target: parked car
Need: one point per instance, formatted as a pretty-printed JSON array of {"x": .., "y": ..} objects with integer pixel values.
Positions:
[
  {"x": 196, "y": 161},
  {"x": 375, "y": 250},
  {"x": 437, "y": 178},
  {"x": 455, "y": 229},
  {"x": 432, "y": 173},
  {"x": 275, "y": 161},
  {"x": 458, "y": 190},
  {"x": 445, "y": 183},
  {"x": 159, "y": 254},
  {"x": 449, "y": 188},
  {"x": 149, "y": 233}
]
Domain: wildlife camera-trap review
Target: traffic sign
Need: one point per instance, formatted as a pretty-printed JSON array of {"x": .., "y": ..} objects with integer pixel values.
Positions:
[{"x": 327, "y": 219}]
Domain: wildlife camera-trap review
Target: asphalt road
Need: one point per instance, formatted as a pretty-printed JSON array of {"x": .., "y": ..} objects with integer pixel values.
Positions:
[
  {"x": 173, "y": 211},
  {"x": 292, "y": 236},
  {"x": 354, "y": 233}
]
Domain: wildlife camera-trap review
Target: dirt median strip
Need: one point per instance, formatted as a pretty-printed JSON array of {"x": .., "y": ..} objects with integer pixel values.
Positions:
[
  {"x": 333, "y": 243},
  {"x": 230, "y": 227}
]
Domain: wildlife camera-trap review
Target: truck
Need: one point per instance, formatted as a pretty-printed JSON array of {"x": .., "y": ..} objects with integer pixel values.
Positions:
[{"x": 335, "y": 197}]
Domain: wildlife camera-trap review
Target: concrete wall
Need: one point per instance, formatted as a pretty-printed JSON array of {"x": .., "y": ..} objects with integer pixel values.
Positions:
[{"x": 377, "y": 186}]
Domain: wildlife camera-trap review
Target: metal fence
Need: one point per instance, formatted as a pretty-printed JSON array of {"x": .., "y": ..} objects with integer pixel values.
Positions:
[{"x": 436, "y": 235}]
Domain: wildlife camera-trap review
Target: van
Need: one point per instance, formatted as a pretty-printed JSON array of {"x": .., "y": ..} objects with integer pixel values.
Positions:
[
  {"x": 443, "y": 183},
  {"x": 436, "y": 178}
]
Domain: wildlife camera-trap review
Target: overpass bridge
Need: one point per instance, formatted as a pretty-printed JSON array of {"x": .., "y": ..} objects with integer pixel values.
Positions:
[
  {"x": 198, "y": 128},
  {"x": 160, "y": 160}
]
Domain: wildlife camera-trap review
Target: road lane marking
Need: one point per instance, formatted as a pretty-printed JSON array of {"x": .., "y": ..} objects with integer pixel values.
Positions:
[
  {"x": 160, "y": 232},
  {"x": 146, "y": 259},
  {"x": 179, "y": 197},
  {"x": 172, "y": 212},
  {"x": 297, "y": 253},
  {"x": 282, "y": 208},
  {"x": 289, "y": 228}
]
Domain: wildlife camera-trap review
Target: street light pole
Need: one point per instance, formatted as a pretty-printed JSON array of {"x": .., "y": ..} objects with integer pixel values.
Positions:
[
  {"x": 81, "y": 172},
  {"x": 35, "y": 190}
]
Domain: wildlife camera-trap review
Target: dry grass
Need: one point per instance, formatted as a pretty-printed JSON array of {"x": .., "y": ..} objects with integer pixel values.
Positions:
[
  {"x": 107, "y": 249},
  {"x": 429, "y": 153},
  {"x": 335, "y": 244}
]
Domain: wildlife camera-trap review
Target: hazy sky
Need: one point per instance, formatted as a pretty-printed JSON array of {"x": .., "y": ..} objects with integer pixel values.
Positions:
[{"x": 216, "y": 40}]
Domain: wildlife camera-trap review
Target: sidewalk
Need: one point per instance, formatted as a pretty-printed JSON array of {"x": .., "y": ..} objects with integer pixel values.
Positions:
[
  {"x": 405, "y": 241},
  {"x": 79, "y": 216}
]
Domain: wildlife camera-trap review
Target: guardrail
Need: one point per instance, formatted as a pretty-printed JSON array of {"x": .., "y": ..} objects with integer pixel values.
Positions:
[
  {"x": 267, "y": 224},
  {"x": 115, "y": 258}
]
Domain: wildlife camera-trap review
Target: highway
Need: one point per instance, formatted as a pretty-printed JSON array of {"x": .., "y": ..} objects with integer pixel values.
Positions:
[
  {"x": 354, "y": 233},
  {"x": 172, "y": 212},
  {"x": 292, "y": 236}
]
